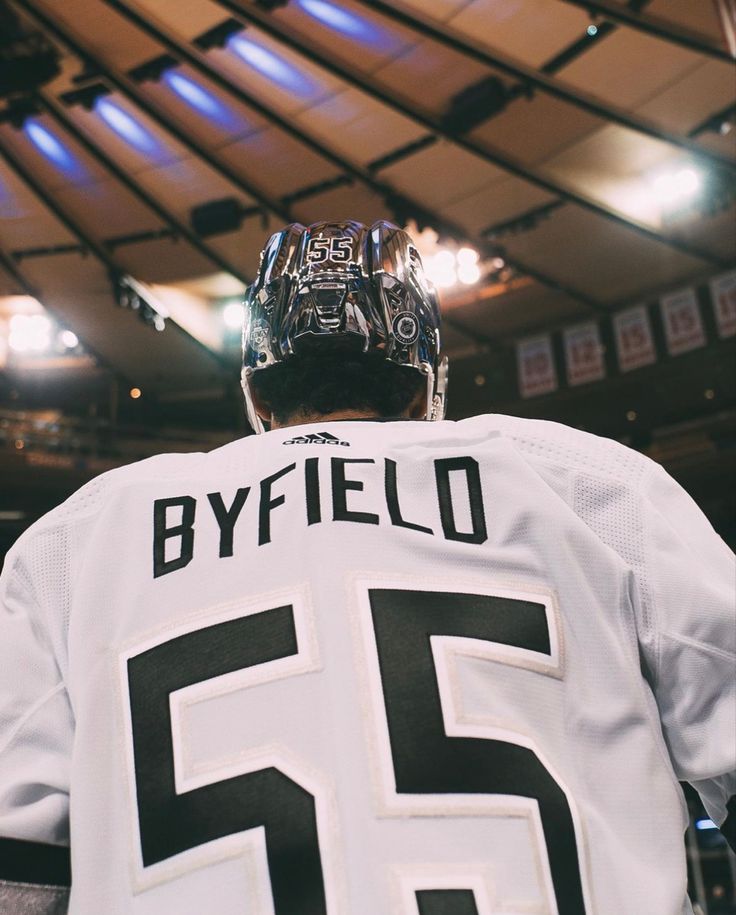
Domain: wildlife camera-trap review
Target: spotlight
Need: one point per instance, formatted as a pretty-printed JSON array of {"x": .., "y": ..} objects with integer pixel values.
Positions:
[
  {"x": 675, "y": 187},
  {"x": 441, "y": 269},
  {"x": 468, "y": 273},
  {"x": 140, "y": 298},
  {"x": 135, "y": 393},
  {"x": 467, "y": 257},
  {"x": 233, "y": 314},
  {"x": 29, "y": 333},
  {"x": 592, "y": 30},
  {"x": 68, "y": 339}
]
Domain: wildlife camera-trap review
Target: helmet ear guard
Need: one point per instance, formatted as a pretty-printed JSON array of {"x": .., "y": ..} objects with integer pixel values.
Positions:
[{"x": 335, "y": 283}]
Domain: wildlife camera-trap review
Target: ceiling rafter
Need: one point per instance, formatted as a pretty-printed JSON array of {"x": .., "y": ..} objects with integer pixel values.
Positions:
[
  {"x": 466, "y": 45},
  {"x": 198, "y": 61},
  {"x": 90, "y": 243},
  {"x": 655, "y": 25},
  {"x": 318, "y": 54},
  {"x": 180, "y": 228}
]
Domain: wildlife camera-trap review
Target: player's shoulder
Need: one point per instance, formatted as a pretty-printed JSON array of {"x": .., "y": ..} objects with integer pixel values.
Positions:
[
  {"x": 565, "y": 446},
  {"x": 93, "y": 495}
]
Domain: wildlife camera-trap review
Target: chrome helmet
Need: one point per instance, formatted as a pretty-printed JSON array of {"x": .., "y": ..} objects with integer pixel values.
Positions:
[{"x": 343, "y": 285}]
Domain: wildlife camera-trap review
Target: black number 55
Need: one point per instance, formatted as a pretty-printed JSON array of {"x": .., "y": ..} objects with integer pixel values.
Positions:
[{"x": 425, "y": 760}]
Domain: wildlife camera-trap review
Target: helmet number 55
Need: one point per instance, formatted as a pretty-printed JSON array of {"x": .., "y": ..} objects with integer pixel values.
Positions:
[{"x": 338, "y": 249}]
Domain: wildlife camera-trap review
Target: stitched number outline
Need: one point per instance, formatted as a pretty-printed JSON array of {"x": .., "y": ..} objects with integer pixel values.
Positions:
[
  {"x": 428, "y": 762},
  {"x": 171, "y": 823}
]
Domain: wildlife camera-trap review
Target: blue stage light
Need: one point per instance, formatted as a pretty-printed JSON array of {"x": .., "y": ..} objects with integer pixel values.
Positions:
[
  {"x": 200, "y": 99},
  {"x": 51, "y": 147},
  {"x": 270, "y": 65},
  {"x": 342, "y": 20},
  {"x": 705, "y": 824},
  {"x": 125, "y": 126}
]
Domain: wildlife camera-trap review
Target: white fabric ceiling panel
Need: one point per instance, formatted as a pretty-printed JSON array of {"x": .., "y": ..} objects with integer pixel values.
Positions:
[
  {"x": 611, "y": 153},
  {"x": 519, "y": 311},
  {"x": 24, "y": 221},
  {"x": 68, "y": 276},
  {"x": 156, "y": 146},
  {"x": 8, "y": 287},
  {"x": 106, "y": 210},
  {"x": 616, "y": 167},
  {"x": 498, "y": 202},
  {"x": 380, "y": 41},
  {"x": 188, "y": 183},
  {"x": 687, "y": 101},
  {"x": 162, "y": 260},
  {"x": 431, "y": 74},
  {"x": 243, "y": 248},
  {"x": 599, "y": 257},
  {"x": 103, "y": 31},
  {"x": 716, "y": 232},
  {"x": 441, "y": 174},
  {"x": 524, "y": 130},
  {"x": 193, "y": 17},
  {"x": 231, "y": 120},
  {"x": 277, "y": 163},
  {"x": 77, "y": 169},
  {"x": 299, "y": 84},
  {"x": 532, "y": 31},
  {"x": 356, "y": 202},
  {"x": 627, "y": 67},
  {"x": 698, "y": 17},
  {"x": 358, "y": 127},
  {"x": 442, "y": 10}
]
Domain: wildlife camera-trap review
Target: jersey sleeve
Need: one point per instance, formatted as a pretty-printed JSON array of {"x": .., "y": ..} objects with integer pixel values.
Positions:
[
  {"x": 36, "y": 728},
  {"x": 688, "y": 640}
]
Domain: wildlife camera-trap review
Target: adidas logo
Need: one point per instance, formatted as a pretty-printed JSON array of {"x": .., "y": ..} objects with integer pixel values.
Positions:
[{"x": 316, "y": 438}]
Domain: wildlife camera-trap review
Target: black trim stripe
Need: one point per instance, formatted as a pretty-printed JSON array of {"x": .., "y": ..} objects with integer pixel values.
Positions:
[
  {"x": 34, "y": 862},
  {"x": 728, "y": 826}
]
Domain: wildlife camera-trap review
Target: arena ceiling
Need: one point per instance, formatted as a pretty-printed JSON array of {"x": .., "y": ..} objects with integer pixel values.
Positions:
[{"x": 563, "y": 140}]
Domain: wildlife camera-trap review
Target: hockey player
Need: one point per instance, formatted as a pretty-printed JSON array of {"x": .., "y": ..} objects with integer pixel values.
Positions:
[{"x": 363, "y": 663}]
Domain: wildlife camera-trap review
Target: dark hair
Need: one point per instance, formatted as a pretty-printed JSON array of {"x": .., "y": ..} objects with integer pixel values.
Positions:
[{"x": 310, "y": 383}]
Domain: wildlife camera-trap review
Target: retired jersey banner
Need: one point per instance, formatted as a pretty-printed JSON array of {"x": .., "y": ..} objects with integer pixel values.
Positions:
[
  {"x": 723, "y": 293},
  {"x": 537, "y": 373},
  {"x": 634, "y": 341},
  {"x": 584, "y": 353},
  {"x": 683, "y": 327}
]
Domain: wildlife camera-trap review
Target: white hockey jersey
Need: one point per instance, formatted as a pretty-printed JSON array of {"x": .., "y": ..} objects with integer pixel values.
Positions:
[{"x": 365, "y": 667}]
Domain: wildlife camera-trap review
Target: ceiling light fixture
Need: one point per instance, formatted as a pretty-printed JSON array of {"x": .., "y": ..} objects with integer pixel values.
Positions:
[
  {"x": 674, "y": 187},
  {"x": 29, "y": 333},
  {"x": 125, "y": 125},
  {"x": 269, "y": 64},
  {"x": 233, "y": 314},
  {"x": 199, "y": 98},
  {"x": 341, "y": 20},
  {"x": 69, "y": 339},
  {"x": 51, "y": 146}
]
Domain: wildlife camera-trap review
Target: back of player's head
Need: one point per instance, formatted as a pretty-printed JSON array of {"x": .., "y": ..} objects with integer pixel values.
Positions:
[{"x": 340, "y": 316}]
